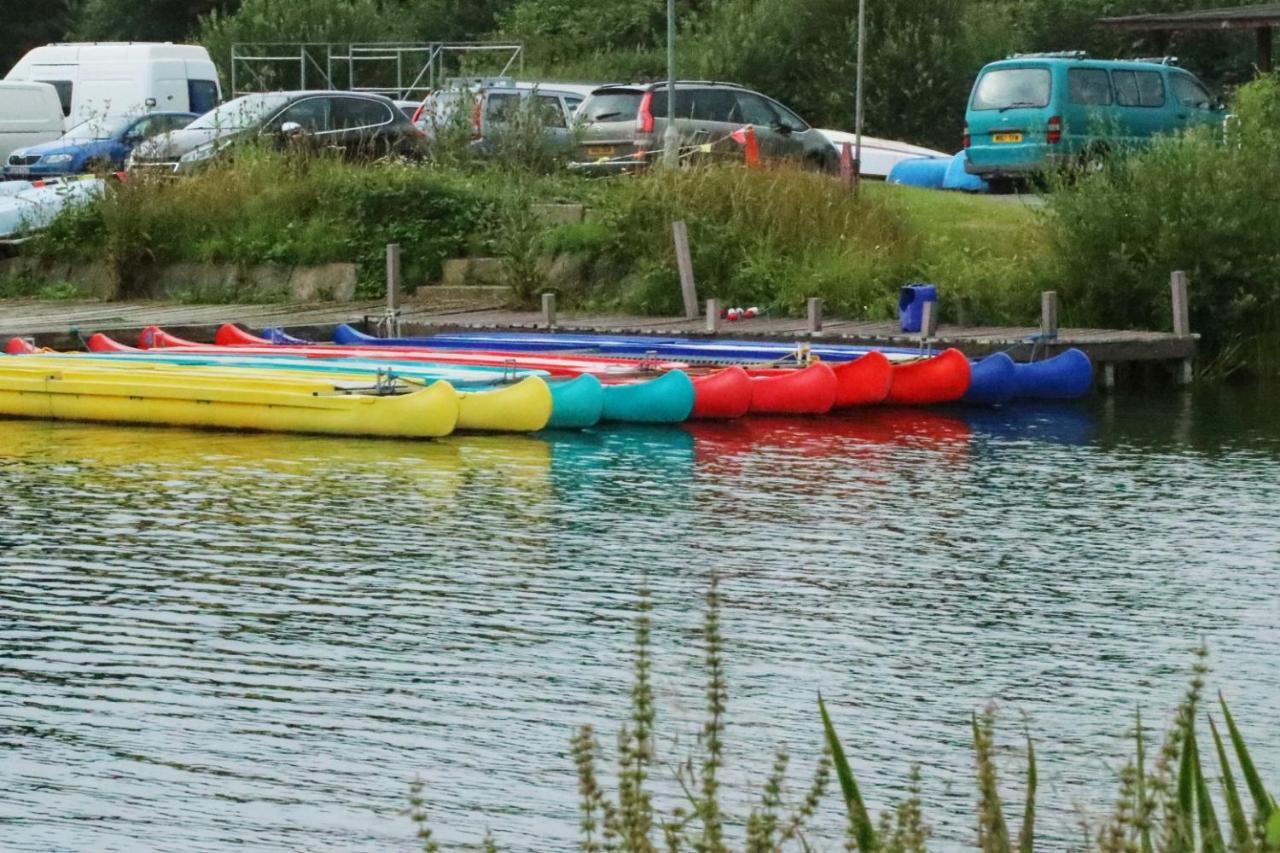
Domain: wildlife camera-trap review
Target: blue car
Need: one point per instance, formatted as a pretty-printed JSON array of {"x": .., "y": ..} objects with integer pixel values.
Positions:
[{"x": 96, "y": 145}]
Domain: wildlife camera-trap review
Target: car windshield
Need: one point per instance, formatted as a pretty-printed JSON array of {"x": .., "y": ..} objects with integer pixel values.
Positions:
[
  {"x": 611, "y": 106},
  {"x": 1009, "y": 88},
  {"x": 103, "y": 127},
  {"x": 240, "y": 113}
]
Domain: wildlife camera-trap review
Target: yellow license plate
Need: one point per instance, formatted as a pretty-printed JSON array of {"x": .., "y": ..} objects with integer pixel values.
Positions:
[
  {"x": 600, "y": 150},
  {"x": 1006, "y": 137}
]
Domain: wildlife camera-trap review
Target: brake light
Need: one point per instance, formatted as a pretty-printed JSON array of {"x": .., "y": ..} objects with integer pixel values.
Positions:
[
  {"x": 476, "y": 115},
  {"x": 965, "y": 138},
  {"x": 1054, "y": 136},
  {"x": 417, "y": 114},
  {"x": 644, "y": 118}
]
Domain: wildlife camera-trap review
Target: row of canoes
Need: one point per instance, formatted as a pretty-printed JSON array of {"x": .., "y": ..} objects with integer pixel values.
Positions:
[{"x": 427, "y": 387}]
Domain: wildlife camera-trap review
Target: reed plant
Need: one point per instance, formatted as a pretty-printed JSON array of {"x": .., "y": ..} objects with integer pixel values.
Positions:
[{"x": 1164, "y": 806}]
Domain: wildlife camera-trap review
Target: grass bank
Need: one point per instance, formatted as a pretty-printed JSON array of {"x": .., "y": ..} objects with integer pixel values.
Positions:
[{"x": 770, "y": 238}]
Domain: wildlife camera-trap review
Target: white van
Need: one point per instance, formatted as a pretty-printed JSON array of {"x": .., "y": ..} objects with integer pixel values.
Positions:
[
  {"x": 97, "y": 79},
  {"x": 30, "y": 114}
]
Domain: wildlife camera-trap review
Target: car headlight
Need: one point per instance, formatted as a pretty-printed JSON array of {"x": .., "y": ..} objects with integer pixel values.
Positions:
[{"x": 57, "y": 159}]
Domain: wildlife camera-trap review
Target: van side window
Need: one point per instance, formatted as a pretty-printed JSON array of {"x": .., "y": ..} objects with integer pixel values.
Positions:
[
  {"x": 1090, "y": 87},
  {"x": 64, "y": 93},
  {"x": 1138, "y": 88},
  {"x": 202, "y": 96},
  {"x": 501, "y": 107},
  {"x": 1190, "y": 93}
]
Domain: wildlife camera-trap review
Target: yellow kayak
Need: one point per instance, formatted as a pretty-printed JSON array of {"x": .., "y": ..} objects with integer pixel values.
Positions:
[
  {"x": 220, "y": 398},
  {"x": 523, "y": 406}
]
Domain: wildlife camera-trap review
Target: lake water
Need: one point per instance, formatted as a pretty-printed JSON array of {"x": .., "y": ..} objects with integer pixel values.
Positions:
[{"x": 215, "y": 641}]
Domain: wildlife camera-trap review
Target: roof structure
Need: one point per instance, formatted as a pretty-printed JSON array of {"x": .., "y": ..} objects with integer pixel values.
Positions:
[
  {"x": 1259, "y": 17},
  {"x": 1252, "y": 17}
]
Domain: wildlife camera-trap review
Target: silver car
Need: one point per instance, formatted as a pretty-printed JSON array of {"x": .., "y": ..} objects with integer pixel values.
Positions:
[{"x": 622, "y": 127}]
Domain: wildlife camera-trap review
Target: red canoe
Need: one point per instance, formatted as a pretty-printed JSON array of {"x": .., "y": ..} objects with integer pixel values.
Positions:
[
  {"x": 942, "y": 378},
  {"x": 153, "y": 337},
  {"x": 231, "y": 335},
  {"x": 863, "y": 381},
  {"x": 19, "y": 346},
  {"x": 722, "y": 395},
  {"x": 808, "y": 391}
]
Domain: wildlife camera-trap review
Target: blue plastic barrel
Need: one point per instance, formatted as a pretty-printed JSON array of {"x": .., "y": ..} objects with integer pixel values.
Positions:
[{"x": 911, "y": 300}]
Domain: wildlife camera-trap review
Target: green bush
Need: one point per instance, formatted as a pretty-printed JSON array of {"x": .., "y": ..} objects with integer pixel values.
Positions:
[{"x": 1193, "y": 203}]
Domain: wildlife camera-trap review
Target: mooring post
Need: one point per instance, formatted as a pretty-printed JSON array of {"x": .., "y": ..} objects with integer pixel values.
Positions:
[
  {"x": 1184, "y": 372},
  {"x": 713, "y": 315},
  {"x": 684, "y": 263},
  {"x": 549, "y": 310},
  {"x": 1049, "y": 315},
  {"x": 815, "y": 315},
  {"x": 391, "y": 318},
  {"x": 1108, "y": 376},
  {"x": 928, "y": 321}
]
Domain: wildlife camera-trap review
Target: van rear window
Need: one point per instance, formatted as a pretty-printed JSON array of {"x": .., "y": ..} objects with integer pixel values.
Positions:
[{"x": 1008, "y": 88}]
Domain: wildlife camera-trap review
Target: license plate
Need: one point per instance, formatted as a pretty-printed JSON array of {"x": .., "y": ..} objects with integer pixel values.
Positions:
[
  {"x": 20, "y": 171},
  {"x": 599, "y": 150},
  {"x": 1006, "y": 137}
]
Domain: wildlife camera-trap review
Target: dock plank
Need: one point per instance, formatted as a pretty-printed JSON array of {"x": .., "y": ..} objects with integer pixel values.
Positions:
[{"x": 52, "y": 324}]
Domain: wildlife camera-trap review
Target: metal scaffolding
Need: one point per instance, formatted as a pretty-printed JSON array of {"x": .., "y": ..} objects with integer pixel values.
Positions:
[{"x": 407, "y": 71}]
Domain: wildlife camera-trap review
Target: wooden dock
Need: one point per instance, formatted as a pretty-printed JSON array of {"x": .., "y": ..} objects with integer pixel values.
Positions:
[{"x": 63, "y": 325}]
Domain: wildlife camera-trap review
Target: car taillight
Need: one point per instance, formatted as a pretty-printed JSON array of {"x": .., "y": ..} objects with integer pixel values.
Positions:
[
  {"x": 475, "y": 119},
  {"x": 1054, "y": 136},
  {"x": 965, "y": 139},
  {"x": 644, "y": 118},
  {"x": 417, "y": 114}
]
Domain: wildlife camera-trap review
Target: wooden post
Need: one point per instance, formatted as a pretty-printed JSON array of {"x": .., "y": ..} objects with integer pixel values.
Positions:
[
  {"x": 684, "y": 262},
  {"x": 713, "y": 315},
  {"x": 815, "y": 315},
  {"x": 1181, "y": 309},
  {"x": 928, "y": 321},
  {"x": 1108, "y": 376},
  {"x": 393, "y": 276},
  {"x": 1049, "y": 314},
  {"x": 549, "y": 309}
]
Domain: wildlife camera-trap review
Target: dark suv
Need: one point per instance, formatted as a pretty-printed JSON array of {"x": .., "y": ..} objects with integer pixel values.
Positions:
[
  {"x": 356, "y": 123},
  {"x": 623, "y": 126}
]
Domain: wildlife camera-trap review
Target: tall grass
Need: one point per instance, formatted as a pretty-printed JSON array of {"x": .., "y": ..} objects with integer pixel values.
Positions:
[{"x": 1169, "y": 807}]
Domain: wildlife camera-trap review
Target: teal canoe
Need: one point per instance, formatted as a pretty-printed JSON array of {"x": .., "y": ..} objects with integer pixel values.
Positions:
[
  {"x": 576, "y": 403},
  {"x": 668, "y": 399}
]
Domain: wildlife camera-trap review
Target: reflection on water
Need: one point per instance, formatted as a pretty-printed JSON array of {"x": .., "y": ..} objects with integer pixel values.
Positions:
[{"x": 212, "y": 641}]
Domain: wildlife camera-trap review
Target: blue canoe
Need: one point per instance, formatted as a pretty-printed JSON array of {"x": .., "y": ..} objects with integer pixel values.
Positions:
[{"x": 1066, "y": 376}]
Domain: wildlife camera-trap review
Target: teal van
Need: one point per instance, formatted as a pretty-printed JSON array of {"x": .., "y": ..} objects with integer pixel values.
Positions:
[{"x": 1034, "y": 112}]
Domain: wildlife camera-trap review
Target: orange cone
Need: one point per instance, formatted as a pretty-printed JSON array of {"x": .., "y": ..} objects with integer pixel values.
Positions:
[{"x": 753, "y": 149}]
